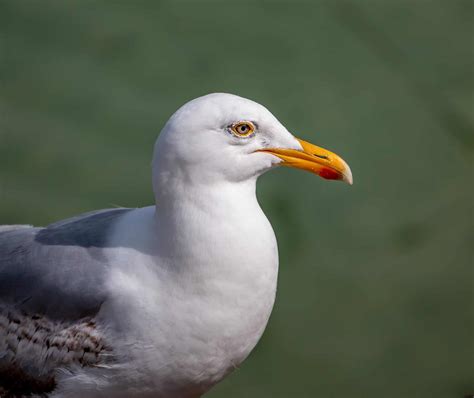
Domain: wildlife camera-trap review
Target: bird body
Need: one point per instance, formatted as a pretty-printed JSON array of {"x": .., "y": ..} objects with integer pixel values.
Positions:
[
  {"x": 190, "y": 316},
  {"x": 161, "y": 301}
]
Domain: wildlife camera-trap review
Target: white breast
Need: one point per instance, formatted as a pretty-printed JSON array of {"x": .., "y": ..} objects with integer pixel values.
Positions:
[{"x": 193, "y": 287}]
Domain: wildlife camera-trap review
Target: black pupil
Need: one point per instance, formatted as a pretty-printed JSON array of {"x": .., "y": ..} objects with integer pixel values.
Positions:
[{"x": 243, "y": 128}]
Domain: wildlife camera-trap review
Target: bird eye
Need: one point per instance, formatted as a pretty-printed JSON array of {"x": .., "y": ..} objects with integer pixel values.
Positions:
[{"x": 243, "y": 129}]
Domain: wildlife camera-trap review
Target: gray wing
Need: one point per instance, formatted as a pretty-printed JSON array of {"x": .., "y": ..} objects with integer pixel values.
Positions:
[
  {"x": 57, "y": 271},
  {"x": 51, "y": 286}
]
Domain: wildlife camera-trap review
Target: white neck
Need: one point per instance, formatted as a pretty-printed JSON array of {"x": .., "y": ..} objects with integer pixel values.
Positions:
[{"x": 219, "y": 215}]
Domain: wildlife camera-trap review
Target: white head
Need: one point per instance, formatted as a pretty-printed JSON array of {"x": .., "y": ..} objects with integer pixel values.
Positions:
[{"x": 222, "y": 137}]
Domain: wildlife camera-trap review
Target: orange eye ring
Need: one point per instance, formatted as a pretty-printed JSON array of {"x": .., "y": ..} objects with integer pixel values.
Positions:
[{"x": 243, "y": 129}]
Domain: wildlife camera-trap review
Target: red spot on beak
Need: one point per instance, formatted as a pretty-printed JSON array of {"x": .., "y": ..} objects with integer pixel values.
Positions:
[{"x": 329, "y": 174}]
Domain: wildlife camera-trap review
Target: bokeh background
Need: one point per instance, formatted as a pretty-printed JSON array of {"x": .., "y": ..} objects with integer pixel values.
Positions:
[{"x": 376, "y": 283}]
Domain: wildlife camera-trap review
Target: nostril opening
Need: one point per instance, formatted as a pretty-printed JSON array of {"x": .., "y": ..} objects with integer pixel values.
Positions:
[{"x": 321, "y": 156}]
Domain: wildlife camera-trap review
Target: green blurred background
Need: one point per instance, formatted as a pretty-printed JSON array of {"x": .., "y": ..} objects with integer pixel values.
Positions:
[{"x": 376, "y": 283}]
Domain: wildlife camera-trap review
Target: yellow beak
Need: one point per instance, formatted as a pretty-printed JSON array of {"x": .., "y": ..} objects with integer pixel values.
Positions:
[{"x": 315, "y": 159}]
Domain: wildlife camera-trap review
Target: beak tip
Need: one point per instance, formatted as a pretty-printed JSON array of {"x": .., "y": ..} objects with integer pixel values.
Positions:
[{"x": 347, "y": 177}]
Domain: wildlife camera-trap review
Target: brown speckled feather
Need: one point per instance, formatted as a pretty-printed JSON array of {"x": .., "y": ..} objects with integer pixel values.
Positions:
[{"x": 34, "y": 347}]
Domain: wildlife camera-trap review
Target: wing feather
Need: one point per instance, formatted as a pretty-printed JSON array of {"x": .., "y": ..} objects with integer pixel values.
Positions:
[
  {"x": 51, "y": 287},
  {"x": 59, "y": 270}
]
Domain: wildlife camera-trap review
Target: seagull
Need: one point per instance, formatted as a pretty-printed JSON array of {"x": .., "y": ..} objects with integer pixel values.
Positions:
[{"x": 160, "y": 301}]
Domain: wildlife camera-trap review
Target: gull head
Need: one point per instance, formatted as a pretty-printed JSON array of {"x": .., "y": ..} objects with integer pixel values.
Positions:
[{"x": 224, "y": 137}]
